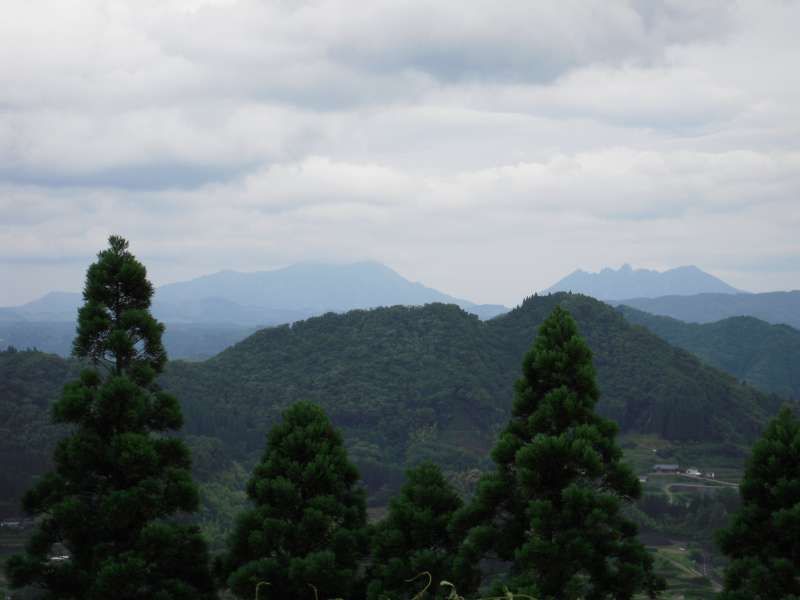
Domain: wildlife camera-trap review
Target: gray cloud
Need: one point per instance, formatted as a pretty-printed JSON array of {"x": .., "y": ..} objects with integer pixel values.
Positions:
[{"x": 485, "y": 148}]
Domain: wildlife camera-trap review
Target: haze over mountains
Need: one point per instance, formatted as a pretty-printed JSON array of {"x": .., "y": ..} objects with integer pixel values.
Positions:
[
  {"x": 627, "y": 282},
  {"x": 772, "y": 307},
  {"x": 267, "y": 297},
  {"x": 209, "y": 313}
]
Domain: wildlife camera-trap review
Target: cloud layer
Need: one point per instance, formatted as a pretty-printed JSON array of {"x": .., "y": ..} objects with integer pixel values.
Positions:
[{"x": 484, "y": 148}]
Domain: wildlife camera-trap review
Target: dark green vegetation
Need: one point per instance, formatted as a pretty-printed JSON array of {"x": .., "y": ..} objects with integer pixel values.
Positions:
[
  {"x": 772, "y": 307},
  {"x": 29, "y": 383},
  {"x": 415, "y": 537},
  {"x": 763, "y": 541},
  {"x": 409, "y": 384},
  {"x": 764, "y": 355},
  {"x": 104, "y": 527},
  {"x": 552, "y": 507},
  {"x": 308, "y": 523}
]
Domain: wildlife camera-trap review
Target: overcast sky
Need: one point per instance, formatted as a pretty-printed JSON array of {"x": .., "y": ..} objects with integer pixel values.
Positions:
[{"x": 485, "y": 148}]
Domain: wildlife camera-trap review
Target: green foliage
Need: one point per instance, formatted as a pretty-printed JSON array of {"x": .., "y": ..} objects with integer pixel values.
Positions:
[
  {"x": 553, "y": 505},
  {"x": 754, "y": 351},
  {"x": 763, "y": 542},
  {"x": 308, "y": 525},
  {"x": 29, "y": 382},
  {"x": 434, "y": 383},
  {"x": 107, "y": 504},
  {"x": 414, "y": 537}
]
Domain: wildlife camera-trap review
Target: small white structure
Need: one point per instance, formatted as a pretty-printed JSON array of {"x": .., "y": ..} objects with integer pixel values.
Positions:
[{"x": 693, "y": 472}]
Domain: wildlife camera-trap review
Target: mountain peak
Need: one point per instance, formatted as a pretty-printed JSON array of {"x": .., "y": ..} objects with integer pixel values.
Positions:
[{"x": 627, "y": 282}]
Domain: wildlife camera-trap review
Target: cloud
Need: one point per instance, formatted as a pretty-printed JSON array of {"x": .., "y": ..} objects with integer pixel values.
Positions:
[{"x": 486, "y": 148}]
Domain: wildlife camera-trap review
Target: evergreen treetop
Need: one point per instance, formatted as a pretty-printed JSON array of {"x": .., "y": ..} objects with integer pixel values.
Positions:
[
  {"x": 308, "y": 523},
  {"x": 763, "y": 540},
  {"x": 414, "y": 537},
  {"x": 107, "y": 508},
  {"x": 552, "y": 507}
]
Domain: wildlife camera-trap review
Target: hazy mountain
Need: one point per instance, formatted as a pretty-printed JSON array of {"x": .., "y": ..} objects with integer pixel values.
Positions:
[
  {"x": 188, "y": 341},
  {"x": 626, "y": 282},
  {"x": 315, "y": 289},
  {"x": 772, "y": 307},
  {"x": 753, "y": 350},
  {"x": 54, "y": 306},
  {"x": 266, "y": 297}
]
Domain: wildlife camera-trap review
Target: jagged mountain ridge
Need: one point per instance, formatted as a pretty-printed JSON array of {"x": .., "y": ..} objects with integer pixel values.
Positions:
[{"x": 627, "y": 282}]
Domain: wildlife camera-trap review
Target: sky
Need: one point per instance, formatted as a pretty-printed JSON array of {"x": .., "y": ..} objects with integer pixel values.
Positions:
[{"x": 483, "y": 148}]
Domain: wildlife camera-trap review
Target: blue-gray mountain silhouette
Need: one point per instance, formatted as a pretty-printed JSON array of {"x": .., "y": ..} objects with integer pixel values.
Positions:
[{"x": 626, "y": 282}]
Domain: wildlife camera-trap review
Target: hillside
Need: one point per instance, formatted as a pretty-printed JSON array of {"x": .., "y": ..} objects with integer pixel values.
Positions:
[
  {"x": 406, "y": 383},
  {"x": 409, "y": 383},
  {"x": 772, "y": 307},
  {"x": 752, "y": 350},
  {"x": 29, "y": 383},
  {"x": 626, "y": 282}
]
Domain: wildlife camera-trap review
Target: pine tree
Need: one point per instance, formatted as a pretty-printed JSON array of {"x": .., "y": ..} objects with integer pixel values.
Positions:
[
  {"x": 108, "y": 508},
  {"x": 552, "y": 507},
  {"x": 308, "y": 524},
  {"x": 763, "y": 541},
  {"x": 414, "y": 538}
]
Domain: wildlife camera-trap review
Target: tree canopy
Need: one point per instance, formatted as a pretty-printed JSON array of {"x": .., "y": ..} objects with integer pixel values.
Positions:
[
  {"x": 105, "y": 525},
  {"x": 414, "y": 537},
  {"x": 763, "y": 541},
  {"x": 552, "y": 507},
  {"x": 308, "y": 523}
]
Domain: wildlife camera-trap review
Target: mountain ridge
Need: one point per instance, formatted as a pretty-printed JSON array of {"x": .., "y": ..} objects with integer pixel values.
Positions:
[
  {"x": 773, "y": 307},
  {"x": 266, "y": 297},
  {"x": 763, "y": 354},
  {"x": 627, "y": 282}
]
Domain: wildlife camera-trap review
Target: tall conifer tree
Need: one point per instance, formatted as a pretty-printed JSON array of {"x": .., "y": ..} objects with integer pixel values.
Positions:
[
  {"x": 763, "y": 541},
  {"x": 415, "y": 536},
  {"x": 308, "y": 523},
  {"x": 107, "y": 509},
  {"x": 552, "y": 507}
]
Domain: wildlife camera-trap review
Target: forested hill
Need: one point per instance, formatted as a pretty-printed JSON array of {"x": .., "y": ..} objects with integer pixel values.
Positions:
[
  {"x": 404, "y": 384},
  {"x": 29, "y": 383},
  {"x": 752, "y": 350},
  {"x": 433, "y": 381},
  {"x": 772, "y": 307}
]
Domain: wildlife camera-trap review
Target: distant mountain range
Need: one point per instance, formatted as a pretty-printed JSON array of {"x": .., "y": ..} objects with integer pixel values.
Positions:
[
  {"x": 627, "y": 282},
  {"x": 209, "y": 313},
  {"x": 772, "y": 307}
]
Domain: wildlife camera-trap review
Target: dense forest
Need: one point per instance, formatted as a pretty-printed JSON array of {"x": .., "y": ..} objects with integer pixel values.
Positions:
[
  {"x": 404, "y": 384},
  {"x": 752, "y": 350}
]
